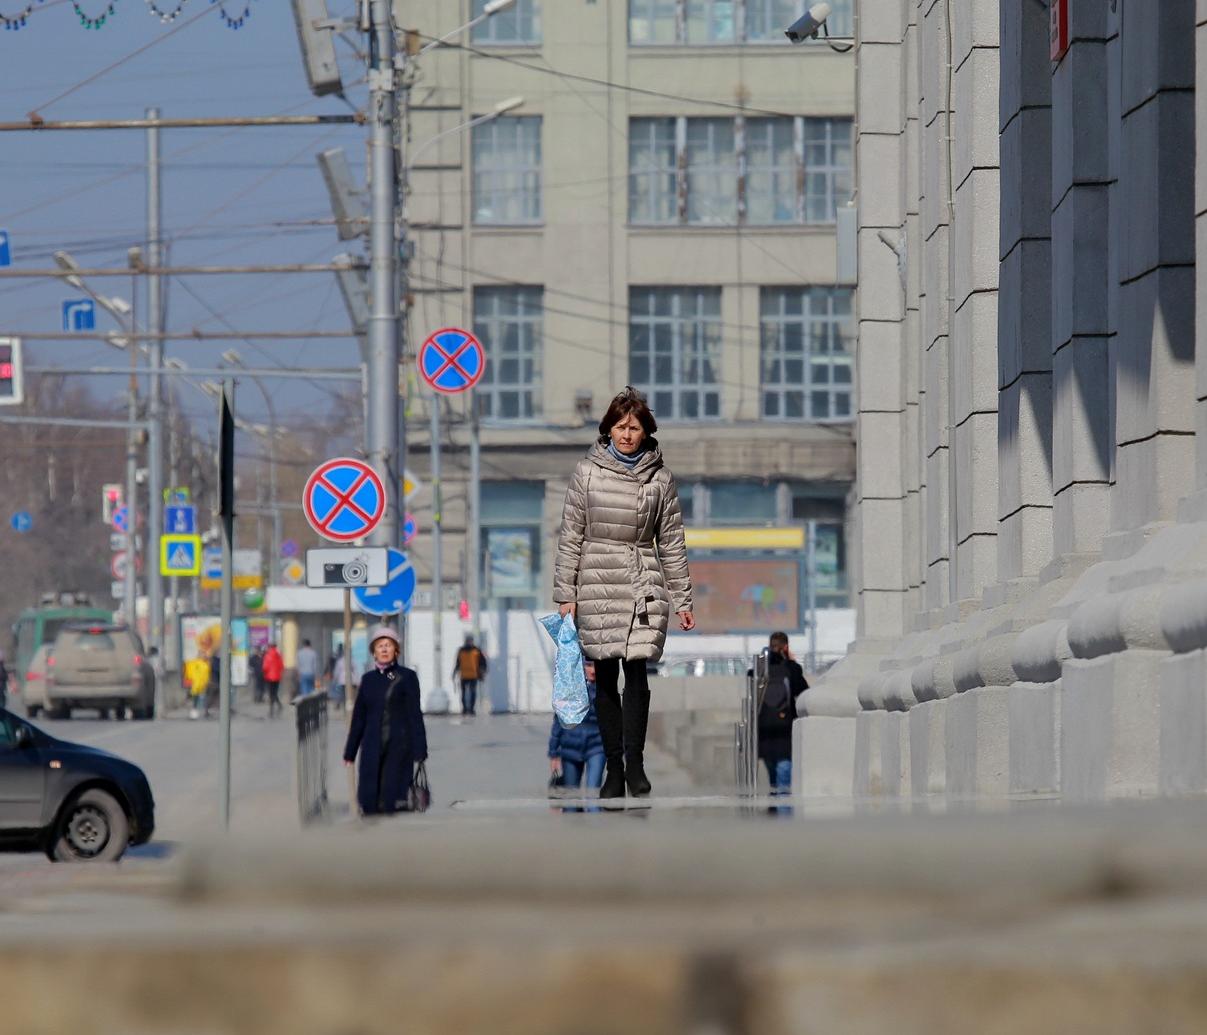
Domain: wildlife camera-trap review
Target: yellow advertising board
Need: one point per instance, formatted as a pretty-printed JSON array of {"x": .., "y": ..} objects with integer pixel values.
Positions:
[{"x": 746, "y": 538}]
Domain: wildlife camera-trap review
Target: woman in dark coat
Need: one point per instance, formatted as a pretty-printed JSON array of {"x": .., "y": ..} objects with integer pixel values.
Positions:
[{"x": 387, "y": 729}]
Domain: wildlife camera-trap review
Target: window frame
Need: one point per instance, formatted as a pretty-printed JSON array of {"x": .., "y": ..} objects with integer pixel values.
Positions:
[
  {"x": 686, "y": 214},
  {"x": 491, "y": 330},
  {"x": 840, "y": 326},
  {"x": 491, "y": 166},
  {"x": 741, "y": 17},
  {"x": 701, "y": 346},
  {"x": 483, "y": 35}
]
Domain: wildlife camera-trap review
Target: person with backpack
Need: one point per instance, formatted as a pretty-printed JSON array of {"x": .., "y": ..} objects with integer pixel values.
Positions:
[
  {"x": 777, "y": 711},
  {"x": 469, "y": 667}
]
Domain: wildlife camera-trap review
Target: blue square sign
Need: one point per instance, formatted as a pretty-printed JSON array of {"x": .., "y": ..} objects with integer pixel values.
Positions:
[
  {"x": 180, "y": 520},
  {"x": 6, "y": 253},
  {"x": 79, "y": 314}
]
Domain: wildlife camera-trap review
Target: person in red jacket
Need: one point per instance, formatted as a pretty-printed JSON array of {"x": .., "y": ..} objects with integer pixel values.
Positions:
[{"x": 273, "y": 669}]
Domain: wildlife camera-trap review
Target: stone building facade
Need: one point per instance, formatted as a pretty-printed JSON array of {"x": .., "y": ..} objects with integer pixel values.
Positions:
[
  {"x": 657, "y": 209},
  {"x": 1032, "y": 472}
]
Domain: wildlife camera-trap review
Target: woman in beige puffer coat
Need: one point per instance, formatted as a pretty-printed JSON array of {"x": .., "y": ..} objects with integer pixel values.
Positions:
[{"x": 622, "y": 569}]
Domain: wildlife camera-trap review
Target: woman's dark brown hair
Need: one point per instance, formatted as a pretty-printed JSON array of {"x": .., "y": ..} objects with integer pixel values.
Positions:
[{"x": 628, "y": 401}]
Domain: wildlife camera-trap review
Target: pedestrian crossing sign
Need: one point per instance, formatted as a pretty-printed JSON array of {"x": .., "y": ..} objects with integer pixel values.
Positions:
[{"x": 180, "y": 555}]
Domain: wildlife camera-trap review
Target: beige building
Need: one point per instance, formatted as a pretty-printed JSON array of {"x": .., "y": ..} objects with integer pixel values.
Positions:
[{"x": 658, "y": 209}]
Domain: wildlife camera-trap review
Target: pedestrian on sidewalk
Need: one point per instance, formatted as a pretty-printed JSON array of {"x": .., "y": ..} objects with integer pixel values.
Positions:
[
  {"x": 622, "y": 570},
  {"x": 469, "y": 668},
  {"x": 308, "y": 668},
  {"x": 256, "y": 664},
  {"x": 335, "y": 677},
  {"x": 273, "y": 667},
  {"x": 777, "y": 712},
  {"x": 578, "y": 751},
  {"x": 386, "y": 730},
  {"x": 197, "y": 675}
]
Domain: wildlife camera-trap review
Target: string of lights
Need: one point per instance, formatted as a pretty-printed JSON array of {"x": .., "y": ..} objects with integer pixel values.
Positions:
[
  {"x": 161, "y": 9},
  {"x": 17, "y": 21}
]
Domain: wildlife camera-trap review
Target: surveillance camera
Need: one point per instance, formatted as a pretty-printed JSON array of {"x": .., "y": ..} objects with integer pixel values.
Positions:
[{"x": 808, "y": 24}]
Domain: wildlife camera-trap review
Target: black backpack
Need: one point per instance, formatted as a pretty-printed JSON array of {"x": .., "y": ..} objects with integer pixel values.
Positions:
[{"x": 777, "y": 710}]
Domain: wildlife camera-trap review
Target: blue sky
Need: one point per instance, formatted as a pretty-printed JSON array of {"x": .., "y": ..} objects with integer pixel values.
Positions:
[{"x": 243, "y": 196}]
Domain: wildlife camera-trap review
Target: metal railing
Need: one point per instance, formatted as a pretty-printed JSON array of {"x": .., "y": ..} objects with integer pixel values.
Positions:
[
  {"x": 746, "y": 729},
  {"x": 312, "y": 757}
]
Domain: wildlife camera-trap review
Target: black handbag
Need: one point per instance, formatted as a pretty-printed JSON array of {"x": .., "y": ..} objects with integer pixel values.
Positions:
[
  {"x": 556, "y": 782},
  {"x": 420, "y": 795}
]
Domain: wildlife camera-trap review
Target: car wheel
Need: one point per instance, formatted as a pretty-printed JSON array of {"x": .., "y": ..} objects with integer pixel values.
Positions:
[
  {"x": 94, "y": 828},
  {"x": 33, "y": 711},
  {"x": 62, "y": 711}
]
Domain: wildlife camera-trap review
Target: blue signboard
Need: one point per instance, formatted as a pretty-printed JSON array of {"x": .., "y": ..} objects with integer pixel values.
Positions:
[
  {"x": 79, "y": 314},
  {"x": 394, "y": 598},
  {"x": 22, "y": 521},
  {"x": 6, "y": 252},
  {"x": 211, "y": 563},
  {"x": 121, "y": 519},
  {"x": 179, "y": 520},
  {"x": 452, "y": 360}
]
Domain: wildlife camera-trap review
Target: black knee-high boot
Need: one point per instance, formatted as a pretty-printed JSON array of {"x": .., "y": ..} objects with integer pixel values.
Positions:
[
  {"x": 635, "y": 718},
  {"x": 611, "y": 724}
]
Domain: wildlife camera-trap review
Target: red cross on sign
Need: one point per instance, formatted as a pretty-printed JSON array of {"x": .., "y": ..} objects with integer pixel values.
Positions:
[{"x": 344, "y": 499}]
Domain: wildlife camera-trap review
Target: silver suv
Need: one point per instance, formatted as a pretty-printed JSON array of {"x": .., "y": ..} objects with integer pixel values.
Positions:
[{"x": 94, "y": 665}]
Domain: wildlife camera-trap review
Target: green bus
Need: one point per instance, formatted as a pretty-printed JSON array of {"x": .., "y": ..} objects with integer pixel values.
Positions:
[{"x": 38, "y": 625}]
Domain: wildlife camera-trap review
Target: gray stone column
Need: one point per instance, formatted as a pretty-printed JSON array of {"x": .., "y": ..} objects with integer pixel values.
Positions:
[
  {"x": 882, "y": 429},
  {"x": 1154, "y": 382},
  {"x": 1024, "y": 294},
  {"x": 974, "y": 262},
  {"x": 1082, "y": 282},
  {"x": 933, "y": 310}
]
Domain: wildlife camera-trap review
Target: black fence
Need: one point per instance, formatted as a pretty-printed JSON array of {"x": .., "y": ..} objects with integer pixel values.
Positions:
[{"x": 312, "y": 758}]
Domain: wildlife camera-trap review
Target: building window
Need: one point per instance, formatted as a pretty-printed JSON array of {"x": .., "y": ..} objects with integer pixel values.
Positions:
[
  {"x": 520, "y": 23},
  {"x": 766, "y": 20},
  {"x": 827, "y": 167},
  {"x": 511, "y": 542},
  {"x": 507, "y": 170},
  {"x": 805, "y": 338},
  {"x": 652, "y": 171},
  {"x": 742, "y": 503},
  {"x": 507, "y": 320},
  {"x": 703, "y": 22},
  {"x": 721, "y": 171},
  {"x": 675, "y": 350}
]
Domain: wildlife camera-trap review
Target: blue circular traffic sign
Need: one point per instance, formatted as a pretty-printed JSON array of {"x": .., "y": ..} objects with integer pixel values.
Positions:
[
  {"x": 452, "y": 360},
  {"x": 121, "y": 519},
  {"x": 22, "y": 521},
  {"x": 344, "y": 499},
  {"x": 394, "y": 598}
]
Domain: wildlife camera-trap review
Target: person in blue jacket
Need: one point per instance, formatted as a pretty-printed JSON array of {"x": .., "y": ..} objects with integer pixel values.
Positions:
[
  {"x": 579, "y": 751},
  {"x": 386, "y": 729}
]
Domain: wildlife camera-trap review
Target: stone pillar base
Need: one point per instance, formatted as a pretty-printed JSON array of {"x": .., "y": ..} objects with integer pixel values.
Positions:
[
  {"x": 823, "y": 757},
  {"x": 978, "y": 744},
  {"x": 869, "y": 754},
  {"x": 927, "y": 748},
  {"x": 1110, "y": 726},
  {"x": 1183, "y": 717},
  {"x": 1035, "y": 738},
  {"x": 895, "y": 756}
]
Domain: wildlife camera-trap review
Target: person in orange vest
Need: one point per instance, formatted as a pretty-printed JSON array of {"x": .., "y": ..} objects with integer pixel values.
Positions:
[
  {"x": 469, "y": 667},
  {"x": 273, "y": 668}
]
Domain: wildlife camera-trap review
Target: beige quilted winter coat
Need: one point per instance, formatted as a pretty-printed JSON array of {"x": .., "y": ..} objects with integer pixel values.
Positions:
[{"x": 621, "y": 556}]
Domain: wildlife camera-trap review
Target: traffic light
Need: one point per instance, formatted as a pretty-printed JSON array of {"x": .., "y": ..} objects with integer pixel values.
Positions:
[{"x": 12, "y": 384}]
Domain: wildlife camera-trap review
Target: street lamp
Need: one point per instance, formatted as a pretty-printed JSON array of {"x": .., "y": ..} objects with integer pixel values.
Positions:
[{"x": 489, "y": 11}]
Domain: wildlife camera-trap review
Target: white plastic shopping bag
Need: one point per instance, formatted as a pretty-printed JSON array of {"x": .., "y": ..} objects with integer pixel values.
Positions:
[{"x": 570, "y": 701}]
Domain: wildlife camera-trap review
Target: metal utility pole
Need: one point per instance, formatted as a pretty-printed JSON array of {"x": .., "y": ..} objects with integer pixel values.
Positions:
[
  {"x": 475, "y": 517},
  {"x": 437, "y": 548},
  {"x": 386, "y": 447},
  {"x": 226, "y": 506},
  {"x": 155, "y": 390},
  {"x": 811, "y": 592},
  {"x": 130, "y": 595}
]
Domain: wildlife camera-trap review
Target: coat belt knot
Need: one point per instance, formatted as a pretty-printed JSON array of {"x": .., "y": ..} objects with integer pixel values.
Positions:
[{"x": 639, "y": 574}]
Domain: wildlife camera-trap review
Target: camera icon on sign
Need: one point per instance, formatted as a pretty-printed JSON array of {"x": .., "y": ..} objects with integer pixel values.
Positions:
[{"x": 347, "y": 573}]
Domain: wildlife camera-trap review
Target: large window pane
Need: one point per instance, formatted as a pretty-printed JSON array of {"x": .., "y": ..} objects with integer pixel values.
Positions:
[
  {"x": 520, "y": 23},
  {"x": 741, "y": 503},
  {"x": 806, "y": 337},
  {"x": 711, "y": 21},
  {"x": 827, "y": 167},
  {"x": 712, "y": 171},
  {"x": 770, "y": 171},
  {"x": 508, "y": 322},
  {"x": 652, "y": 171},
  {"x": 675, "y": 336},
  {"x": 507, "y": 170},
  {"x": 653, "y": 21}
]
